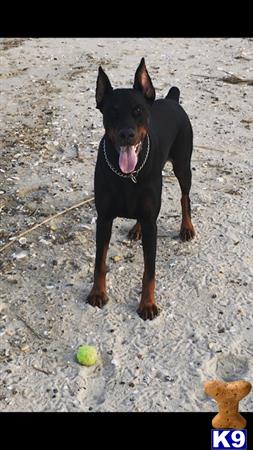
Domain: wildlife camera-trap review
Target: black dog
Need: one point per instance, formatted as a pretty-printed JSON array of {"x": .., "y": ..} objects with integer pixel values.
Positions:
[{"x": 141, "y": 134}]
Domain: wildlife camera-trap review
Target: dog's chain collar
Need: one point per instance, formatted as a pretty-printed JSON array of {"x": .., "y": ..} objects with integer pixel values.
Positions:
[{"x": 133, "y": 174}]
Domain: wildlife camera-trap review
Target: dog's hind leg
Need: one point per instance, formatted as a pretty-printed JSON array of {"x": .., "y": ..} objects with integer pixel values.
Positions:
[
  {"x": 135, "y": 232},
  {"x": 184, "y": 178},
  {"x": 181, "y": 160}
]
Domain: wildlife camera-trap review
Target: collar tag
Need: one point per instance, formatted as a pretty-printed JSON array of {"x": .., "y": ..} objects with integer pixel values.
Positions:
[{"x": 133, "y": 178}]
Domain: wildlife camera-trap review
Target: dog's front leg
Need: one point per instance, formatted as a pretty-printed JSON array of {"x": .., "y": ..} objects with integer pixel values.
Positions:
[
  {"x": 147, "y": 308},
  {"x": 98, "y": 296}
]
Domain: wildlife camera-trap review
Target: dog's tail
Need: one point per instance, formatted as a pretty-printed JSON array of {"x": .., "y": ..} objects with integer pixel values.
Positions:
[{"x": 173, "y": 94}]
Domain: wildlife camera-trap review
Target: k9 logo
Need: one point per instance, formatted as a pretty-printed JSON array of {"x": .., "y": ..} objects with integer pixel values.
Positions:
[{"x": 229, "y": 439}]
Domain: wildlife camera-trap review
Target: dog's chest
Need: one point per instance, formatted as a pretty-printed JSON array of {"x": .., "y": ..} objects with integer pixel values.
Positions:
[{"x": 126, "y": 199}]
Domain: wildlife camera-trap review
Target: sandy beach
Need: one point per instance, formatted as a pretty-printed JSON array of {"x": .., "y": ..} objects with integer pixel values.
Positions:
[{"x": 49, "y": 134}]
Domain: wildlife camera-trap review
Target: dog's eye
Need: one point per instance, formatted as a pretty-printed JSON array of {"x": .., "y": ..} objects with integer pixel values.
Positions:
[{"x": 137, "y": 111}]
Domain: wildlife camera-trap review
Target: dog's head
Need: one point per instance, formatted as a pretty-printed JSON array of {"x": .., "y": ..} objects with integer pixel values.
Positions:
[{"x": 126, "y": 114}]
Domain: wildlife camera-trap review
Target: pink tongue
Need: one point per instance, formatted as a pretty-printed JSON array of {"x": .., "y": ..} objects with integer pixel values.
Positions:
[{"x": 128, "y": 158}]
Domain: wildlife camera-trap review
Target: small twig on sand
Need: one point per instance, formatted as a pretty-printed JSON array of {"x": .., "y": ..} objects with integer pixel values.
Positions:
[
  {"x": 202, "y": 76},
  {"x": 234, "y": 79},
  {"x": 30, "y": 328},
  {"x": 34, "y": 227},
  {"x": 209, "y": 92},
  {"x": 41, "y": 370},
  {"x": 206, "y": 147},
  {"x": 77, "y": 152},
  {"x": 231, "y": 78}
]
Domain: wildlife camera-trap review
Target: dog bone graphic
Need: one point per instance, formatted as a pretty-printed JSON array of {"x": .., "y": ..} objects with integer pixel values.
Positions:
[{"x": 228, "y": 396}]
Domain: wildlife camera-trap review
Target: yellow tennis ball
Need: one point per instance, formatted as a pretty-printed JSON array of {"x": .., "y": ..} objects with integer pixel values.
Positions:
[{"x": 86, "y": 355}]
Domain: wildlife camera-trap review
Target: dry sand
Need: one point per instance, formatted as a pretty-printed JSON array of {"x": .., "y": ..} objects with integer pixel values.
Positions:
[{"x": 204, "y": 288}]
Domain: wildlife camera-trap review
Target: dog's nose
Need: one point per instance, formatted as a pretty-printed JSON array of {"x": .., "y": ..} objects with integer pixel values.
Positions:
[{"x": 126, "y": 135}]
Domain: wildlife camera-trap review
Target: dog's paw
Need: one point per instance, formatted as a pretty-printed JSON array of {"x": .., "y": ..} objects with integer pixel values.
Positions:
[
  {"x": 148, "y": 311},
  {"x": 186, "y": 234},
  {"x": 135, "y": 232},
  {"x": 97, "y": 299}
]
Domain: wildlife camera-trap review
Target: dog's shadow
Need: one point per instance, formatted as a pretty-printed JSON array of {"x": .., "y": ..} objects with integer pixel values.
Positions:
[
  {"x": 81, "y": 297},
  {"x": 163, "y": 232}
]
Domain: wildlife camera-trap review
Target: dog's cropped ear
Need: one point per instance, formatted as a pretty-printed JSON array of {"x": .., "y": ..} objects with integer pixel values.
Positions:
[
  {"x": 103, "y": 88},
  {"x": 143, "y": 83}
]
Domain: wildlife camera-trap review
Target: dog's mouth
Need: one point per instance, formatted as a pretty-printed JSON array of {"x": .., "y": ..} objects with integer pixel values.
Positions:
[{"x": 128, "y": 157}]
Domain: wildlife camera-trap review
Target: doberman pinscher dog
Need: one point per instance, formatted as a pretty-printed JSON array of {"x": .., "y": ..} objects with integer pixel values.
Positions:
[{"x": 141, "y": 134}]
